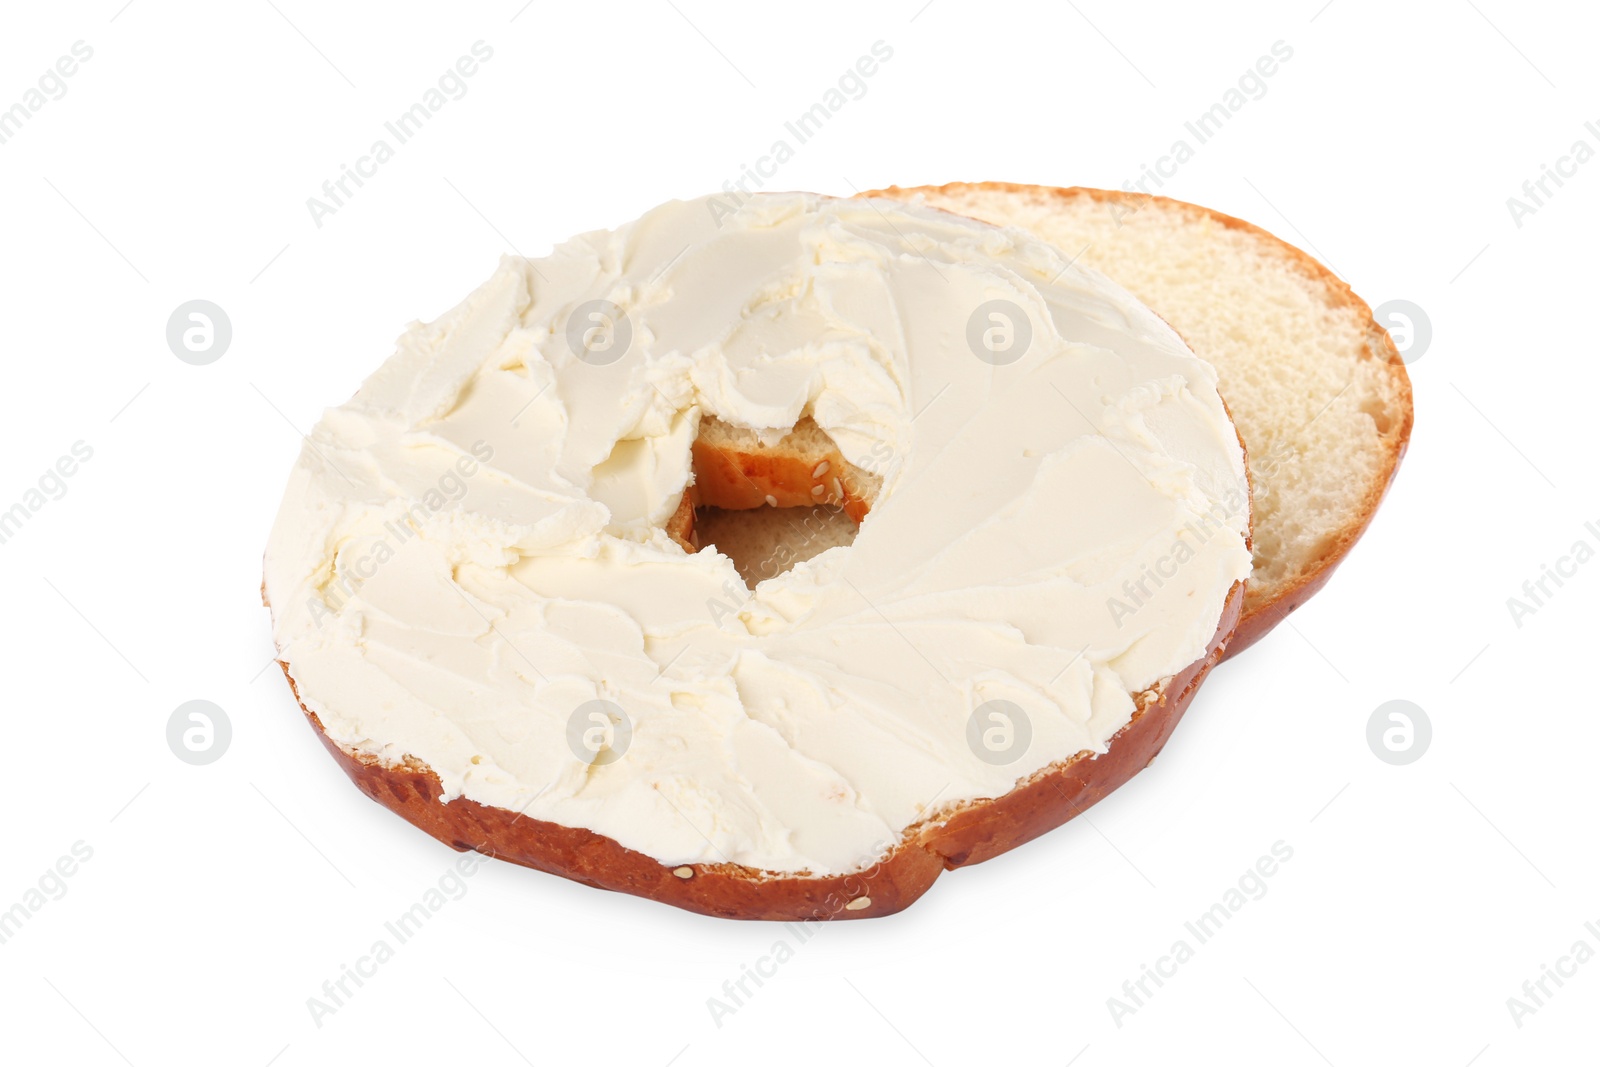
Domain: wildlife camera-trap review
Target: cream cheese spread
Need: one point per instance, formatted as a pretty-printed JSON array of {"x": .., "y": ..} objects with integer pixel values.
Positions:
[{"x": 469, "y": 566}]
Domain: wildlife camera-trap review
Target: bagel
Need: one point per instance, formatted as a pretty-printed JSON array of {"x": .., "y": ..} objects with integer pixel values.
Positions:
[
  {"x": 496, "y": 598},
  {"x": 1317, "y": 388}
]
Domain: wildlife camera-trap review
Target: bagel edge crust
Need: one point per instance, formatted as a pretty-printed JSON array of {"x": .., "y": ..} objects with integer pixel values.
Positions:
[{"x": 964, "y": 834}]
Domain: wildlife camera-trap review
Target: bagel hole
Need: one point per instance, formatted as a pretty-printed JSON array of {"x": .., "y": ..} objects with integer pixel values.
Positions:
[
  {"x": 767, "y": 541},
  {"x": 770, "y": 504}
]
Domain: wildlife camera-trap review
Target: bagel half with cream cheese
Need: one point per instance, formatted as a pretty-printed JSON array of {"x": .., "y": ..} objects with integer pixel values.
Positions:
[
  {"x": 1317, "y": 387},
  {"x": 489, "y": 599}
]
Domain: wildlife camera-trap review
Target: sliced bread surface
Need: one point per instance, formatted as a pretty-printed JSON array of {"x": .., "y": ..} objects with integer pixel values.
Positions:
[{"x": 1316, "y": 387}]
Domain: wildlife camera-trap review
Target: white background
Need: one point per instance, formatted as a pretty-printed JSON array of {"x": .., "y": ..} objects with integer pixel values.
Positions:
[{"x": 219, "y": 898}]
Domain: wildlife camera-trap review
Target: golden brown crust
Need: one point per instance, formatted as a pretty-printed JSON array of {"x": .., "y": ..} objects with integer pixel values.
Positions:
[
  {"x": 1263, "y": 612},
  {"x": 742, "y": 479},
  {"x": 746, "y": 478},
  {"x": 971, "y": 833}
]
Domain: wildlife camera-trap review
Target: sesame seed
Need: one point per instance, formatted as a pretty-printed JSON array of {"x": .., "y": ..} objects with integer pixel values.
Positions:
[
  {"x": 817, "y": 490},
  {"x": 683, "y": 872},
  {"x": 772, "y": 501},
  {"x": 858, "y": 904},
  {"x": 822, "y": 468}
]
